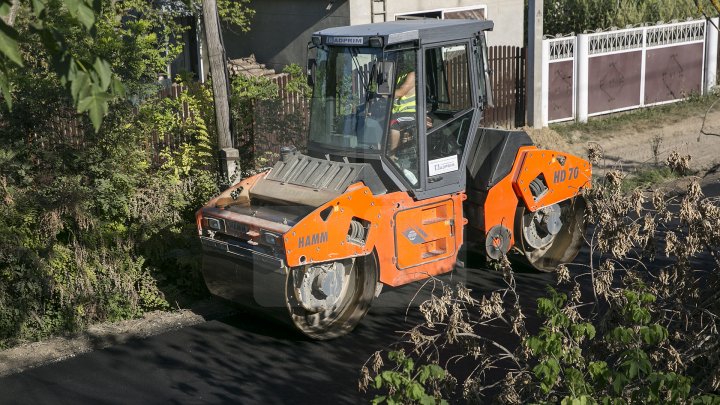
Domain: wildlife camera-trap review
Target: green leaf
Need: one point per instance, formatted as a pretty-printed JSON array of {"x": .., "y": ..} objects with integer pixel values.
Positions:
[
  {"x": 80, "y": 86},
  {"x": 632, "y": 370},
  {"x": 5, "y": 90},
  {"x": 38, "y": 6},
  {"x": 707, "y": 399},
  {"x": 598, "y": 370},
  {"x": 620, "y": 335},
  {"x": 409, "y": 365},
  {"x": 427, "y": 400},
  {"x": 104, "y": 72},
  {"x": 96, "y": 104},
  {"x": 647, "y": 298},
  {"x": 590, "y": 331},
  {"x": 423, "y": 375},
  {"x": 9, "y": 43},
  {"x": 379, "y": 399},
  {"x": 80, "y": 10},
  {"x": 4, "y": 8},
  {"x": 117, "y": 88},
  {"x": 619, "y": 383},
  {"x": 415, "y": 391},
  {"x": 436, "y": 371}
]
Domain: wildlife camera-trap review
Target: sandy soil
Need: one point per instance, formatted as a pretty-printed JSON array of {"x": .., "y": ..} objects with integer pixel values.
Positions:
[{"x": 632, "y": 146}]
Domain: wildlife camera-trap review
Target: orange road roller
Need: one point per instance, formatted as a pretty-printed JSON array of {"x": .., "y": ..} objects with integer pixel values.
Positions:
[{"x": 396, "y": 176}]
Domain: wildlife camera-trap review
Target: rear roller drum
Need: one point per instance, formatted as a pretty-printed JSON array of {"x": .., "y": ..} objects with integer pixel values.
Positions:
[
  {"x": 328, "y": 300},
  {"x": 552, "y": 235}
]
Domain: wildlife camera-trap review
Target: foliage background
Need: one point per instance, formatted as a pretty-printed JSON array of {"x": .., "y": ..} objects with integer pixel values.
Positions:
[
  {"x": 633, "y": 321},
  {"x": 577, "y": 16},
  {"x": 93, "y": 226},
  {"x": 90, "y": 229}
]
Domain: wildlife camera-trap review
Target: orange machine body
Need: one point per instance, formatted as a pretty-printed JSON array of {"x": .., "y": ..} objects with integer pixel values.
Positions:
[
  {"x": 418, "y": 239},
  {"x": 413, "y": 239}
]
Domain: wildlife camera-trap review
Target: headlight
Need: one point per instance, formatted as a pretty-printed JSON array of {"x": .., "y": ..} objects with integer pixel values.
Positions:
[
  {"x": 215, "y": 224},
  {"x": 270, "y": 238}
]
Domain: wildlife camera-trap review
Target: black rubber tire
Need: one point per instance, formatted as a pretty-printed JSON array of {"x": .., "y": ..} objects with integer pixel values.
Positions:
[
  {"x": 566, "y": 245},
  {"x": 323, "y": 326}
]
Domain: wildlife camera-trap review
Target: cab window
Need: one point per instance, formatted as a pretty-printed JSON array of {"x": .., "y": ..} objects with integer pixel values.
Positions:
[
  {"x": 449, "y": 106},
  {"x": 402, "y": 141}
]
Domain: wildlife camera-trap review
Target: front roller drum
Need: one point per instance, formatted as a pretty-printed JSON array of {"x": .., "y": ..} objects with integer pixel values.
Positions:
[
  {"x": 328, "y": 300},
  {"x": 323, "y": 301},
  {"x": 551, "y": 236}
]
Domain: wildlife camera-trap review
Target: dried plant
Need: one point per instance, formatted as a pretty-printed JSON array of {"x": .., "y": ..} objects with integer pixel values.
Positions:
[{"x": 645, "y": 331}]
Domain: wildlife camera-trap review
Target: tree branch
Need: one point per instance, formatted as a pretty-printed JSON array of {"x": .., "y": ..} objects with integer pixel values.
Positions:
[{"x": 702, "y": 128}]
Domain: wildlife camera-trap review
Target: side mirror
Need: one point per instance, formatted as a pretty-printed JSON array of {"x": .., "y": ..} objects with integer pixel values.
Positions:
[
  {"x": 385, "y": 77},
  {"x": 311, "y": 69}
]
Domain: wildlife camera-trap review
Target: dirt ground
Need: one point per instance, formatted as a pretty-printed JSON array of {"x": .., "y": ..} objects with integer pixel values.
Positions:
[
  {"x": 627, "y": 148},
  {"x": 631, "y": 146}
]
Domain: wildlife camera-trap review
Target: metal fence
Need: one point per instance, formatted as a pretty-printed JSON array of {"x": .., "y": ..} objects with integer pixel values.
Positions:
[
  {"x": 606, "y": 72},
  {"x": 508, "y": 86}
]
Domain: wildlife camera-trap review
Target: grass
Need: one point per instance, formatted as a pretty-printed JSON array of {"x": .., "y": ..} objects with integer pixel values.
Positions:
[
  {"x": 648, "y": 177},
  {"x": 650, "y": 117}
]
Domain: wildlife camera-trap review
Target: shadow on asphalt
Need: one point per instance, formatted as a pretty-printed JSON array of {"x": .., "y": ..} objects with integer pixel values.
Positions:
[{"x": 243, "y": 358}]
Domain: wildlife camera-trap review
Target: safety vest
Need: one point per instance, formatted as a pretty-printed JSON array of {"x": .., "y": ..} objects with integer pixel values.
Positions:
[{"x": 404, "y": 104}]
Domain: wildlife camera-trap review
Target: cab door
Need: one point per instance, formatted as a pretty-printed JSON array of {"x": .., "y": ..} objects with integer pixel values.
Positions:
[{"x": 450, "y": 109}]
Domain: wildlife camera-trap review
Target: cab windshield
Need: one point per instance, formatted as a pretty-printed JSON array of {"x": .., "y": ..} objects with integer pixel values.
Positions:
[{"x": 346, "y": 111}]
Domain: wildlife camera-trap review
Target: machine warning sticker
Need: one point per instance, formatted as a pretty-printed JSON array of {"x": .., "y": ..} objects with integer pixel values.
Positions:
[
  {"x": 415, "y": 235},
  {"x": 346, "y": 40},
  {"x": 443, "y": 165}
]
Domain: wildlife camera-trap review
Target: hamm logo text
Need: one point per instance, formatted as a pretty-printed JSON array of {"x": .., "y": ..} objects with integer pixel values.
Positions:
[{"x": 314, "y": 239}]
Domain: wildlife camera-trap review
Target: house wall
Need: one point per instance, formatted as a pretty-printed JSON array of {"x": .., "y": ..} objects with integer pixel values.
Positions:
[
  {"x": 507, "y": 15},
  {"x": 281, "y": 29}
]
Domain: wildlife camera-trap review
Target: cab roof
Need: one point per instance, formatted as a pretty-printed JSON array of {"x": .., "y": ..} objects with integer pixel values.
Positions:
[{"x": 426, "y": 31}]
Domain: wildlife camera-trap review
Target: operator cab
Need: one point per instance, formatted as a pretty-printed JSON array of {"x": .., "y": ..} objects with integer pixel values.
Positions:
[{"x": 403, "y": 96}]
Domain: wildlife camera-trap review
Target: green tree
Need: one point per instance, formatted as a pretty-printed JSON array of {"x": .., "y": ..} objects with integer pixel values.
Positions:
[
  {"x": 577, "y": 16},
  {"x": 97, "y": 48}
]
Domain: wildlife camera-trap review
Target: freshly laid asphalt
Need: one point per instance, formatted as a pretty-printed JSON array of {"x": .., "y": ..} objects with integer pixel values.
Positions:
[
  {"x": 239, "y": 359},
  {"x": 242, "y": 359}
]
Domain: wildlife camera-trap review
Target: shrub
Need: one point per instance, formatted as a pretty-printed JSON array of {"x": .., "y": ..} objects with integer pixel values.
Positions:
[
  {"x": 92, "y": 231},
  {"x": 261, "y": 118}
]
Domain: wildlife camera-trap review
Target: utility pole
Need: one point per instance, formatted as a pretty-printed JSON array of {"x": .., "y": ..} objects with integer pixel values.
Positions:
[
  {"x": 534, "y": 63},
  {"x": 218, "y": 69},
  {"x": 14, "y": 8}
]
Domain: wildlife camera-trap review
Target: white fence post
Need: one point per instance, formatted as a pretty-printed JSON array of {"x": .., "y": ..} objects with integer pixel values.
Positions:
[
  {"x": 583, "y": 60},
  {"x": 711, "y": 54},
  {"x": 643, "y": 67},
  {"x": 545, "y": 81}
]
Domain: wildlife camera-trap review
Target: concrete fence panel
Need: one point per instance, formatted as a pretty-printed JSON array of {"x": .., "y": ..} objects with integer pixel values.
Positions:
[
  {"x": 559, "y": 75},
  {"x": 611, "y": 71}
]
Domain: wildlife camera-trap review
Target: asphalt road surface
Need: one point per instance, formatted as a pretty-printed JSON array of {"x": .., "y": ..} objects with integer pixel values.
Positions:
[{"x": 241, "y": 359}]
